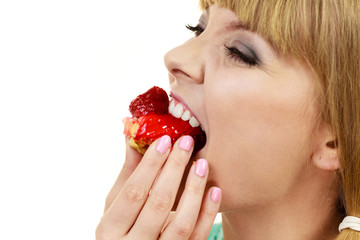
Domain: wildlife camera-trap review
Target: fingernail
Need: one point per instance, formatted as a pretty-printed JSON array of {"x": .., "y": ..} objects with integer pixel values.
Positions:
[
  {"x": 163, "y": 144},
  {"x": 201, "y": 167},
  {"x": 186, "y": 143},
  {"x": 215, "y": 194}
]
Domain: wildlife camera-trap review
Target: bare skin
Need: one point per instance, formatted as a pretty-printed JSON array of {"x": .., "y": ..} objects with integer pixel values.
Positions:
[
  {"x": 266, "y": 149},
  {"x": 133, "y": 212}
]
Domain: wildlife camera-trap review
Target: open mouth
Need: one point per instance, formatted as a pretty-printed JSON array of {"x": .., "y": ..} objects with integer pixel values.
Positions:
[
  {"x": 153, "y": 115},
  {"x": 180, "y": 110}
]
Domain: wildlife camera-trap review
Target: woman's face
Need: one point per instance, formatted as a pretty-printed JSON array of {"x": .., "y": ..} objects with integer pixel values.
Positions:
[{"x": 256, "y": 107}]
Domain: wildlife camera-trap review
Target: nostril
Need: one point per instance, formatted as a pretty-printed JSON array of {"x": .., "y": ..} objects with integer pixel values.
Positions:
[
  {"x": 178, "y": 72},
  {"x": 186, "y": 63}
]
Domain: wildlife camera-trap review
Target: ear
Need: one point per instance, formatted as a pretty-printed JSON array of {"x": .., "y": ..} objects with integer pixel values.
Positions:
[{"x": 325, "y": 155}]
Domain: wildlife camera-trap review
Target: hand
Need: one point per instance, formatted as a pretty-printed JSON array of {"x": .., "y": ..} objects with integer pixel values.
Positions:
[{"x": 132, "y": 211}]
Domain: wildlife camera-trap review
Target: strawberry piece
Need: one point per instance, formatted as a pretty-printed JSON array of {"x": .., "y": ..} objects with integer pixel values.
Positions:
[
  {"x": 146, "y": 129},
  {"x": 155, "y": 100},
  {"x": 150, "y": 121}
]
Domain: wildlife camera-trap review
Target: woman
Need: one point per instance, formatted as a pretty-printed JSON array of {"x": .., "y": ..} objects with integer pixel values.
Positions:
[{"x": 276, "y": 87}]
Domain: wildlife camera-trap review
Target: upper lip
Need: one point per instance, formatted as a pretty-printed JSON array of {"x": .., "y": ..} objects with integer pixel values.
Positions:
[{"x": 179, "y": 99}]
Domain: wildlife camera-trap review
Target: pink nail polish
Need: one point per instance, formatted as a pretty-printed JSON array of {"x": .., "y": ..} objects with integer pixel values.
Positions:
[
  {"x": 186, "y": 143},
  {"x": 163, "y": 144},
  {"x": 201, "y": 167},
  {"x": 215, "y": 194}
]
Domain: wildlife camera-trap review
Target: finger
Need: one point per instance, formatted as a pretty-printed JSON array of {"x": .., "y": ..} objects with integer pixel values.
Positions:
[
  {"x": 208, "y": 211},
  {"x": 189, "y": 206},
  {"x": 132, "y": 159},
  {"x": 131, "y": 198},
  {"x": 168, "y": 220},
  {"x": 156, "y": 210}
]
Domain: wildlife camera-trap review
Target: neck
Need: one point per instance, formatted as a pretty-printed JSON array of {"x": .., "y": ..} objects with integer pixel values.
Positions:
[{"x": 306, "y": 214}]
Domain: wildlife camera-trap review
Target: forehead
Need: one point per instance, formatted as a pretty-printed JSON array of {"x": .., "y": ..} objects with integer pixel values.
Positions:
[{"x": 227, "y": 18}]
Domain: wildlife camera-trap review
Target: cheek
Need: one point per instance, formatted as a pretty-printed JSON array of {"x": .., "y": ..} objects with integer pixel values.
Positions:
[{"x": 259, "y": 127}]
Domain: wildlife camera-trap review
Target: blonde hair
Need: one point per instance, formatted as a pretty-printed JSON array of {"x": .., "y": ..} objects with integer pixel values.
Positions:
[{"x": 326, "y": 35}]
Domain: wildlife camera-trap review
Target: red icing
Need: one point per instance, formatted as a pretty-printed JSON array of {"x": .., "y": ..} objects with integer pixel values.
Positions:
[
  {"x": 152, "y": 127},
  {"x": 150, "y": 112}
]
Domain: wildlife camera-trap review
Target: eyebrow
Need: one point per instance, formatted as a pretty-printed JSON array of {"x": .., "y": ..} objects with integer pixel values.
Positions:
[
  {"x": 207, "y": 11},
  {"x": 236, "y": 25},
  {"x": 205, "y": 14}
]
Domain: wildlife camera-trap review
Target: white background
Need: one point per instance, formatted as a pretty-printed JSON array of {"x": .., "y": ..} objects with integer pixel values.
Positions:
[{"x": 68, "y": 70}]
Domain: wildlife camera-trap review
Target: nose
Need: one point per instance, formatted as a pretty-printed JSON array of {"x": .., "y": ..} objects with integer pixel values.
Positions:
[{"x": 186, "y": 62}]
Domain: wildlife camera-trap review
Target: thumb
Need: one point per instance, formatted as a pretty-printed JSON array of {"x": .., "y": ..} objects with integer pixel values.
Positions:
[
  {"x": 132, "y": 160},
  {"x": 132, "y": 157}
]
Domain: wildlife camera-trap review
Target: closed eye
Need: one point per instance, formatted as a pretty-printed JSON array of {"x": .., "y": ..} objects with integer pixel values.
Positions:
[{"x": 239, "y": 56}]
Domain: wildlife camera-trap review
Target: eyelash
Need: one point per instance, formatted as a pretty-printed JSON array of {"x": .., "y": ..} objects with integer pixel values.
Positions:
[
  {"x": 241, "y": 57},
  {"x": 230, "y": 51},
  {"x": 197, "y": 30}
]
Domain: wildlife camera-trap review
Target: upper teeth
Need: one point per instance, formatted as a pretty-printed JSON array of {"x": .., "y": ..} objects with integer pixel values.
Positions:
[
  {"x": 179, "y": 111},
  {"x": 186, "y": 115}
]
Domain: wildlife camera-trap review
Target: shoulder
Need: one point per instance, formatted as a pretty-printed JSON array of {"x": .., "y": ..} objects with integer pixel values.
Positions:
[{"x": 216, "y": 232}]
